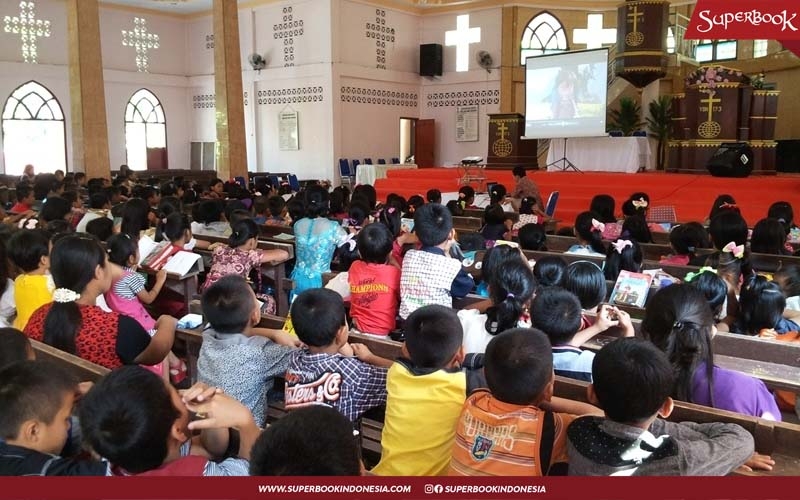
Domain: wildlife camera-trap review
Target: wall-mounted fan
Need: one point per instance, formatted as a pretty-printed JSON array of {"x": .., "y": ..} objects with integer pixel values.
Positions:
[
  {"x": 485, "y": 60},
  {"x": 257, "y": 61}
]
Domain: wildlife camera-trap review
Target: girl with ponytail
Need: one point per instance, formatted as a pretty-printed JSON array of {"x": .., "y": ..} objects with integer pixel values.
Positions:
[
  {"x": 73, "y": 323},
  {"x": 511, "y": 288},
  {"x": 589, "y": 233},
  {"x": 678, "y": 321}
]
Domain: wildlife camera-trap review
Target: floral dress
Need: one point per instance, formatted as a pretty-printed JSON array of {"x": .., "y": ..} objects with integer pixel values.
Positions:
[
  {"x": 315, "y": 242},
  {"x": 228, "y": 260}
]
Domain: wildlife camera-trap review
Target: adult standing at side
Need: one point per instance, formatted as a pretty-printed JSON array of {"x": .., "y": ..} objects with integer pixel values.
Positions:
[{"x": 525, "y": 188}]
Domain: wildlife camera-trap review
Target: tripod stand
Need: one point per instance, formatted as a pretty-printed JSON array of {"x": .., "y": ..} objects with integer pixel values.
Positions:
[{"x": 563, "y": 164}]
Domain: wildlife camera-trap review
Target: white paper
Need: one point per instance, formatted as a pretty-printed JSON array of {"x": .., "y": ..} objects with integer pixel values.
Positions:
[
  {"x": 181, "y": 263},
  {"x": 146, "y": 247},
  {"x": 284, "y": 236}
]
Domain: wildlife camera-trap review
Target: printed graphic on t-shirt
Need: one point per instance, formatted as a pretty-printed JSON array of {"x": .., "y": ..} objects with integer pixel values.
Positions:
[
  {"x": 324, "y": 390},
  {"x": 368, "y": 291}
]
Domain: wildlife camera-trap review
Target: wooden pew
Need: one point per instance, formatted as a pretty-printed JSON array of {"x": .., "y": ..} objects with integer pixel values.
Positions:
[
  {"x": 82, "y": 370},
  {"x": 275, "y": 271},
  {"x": 467, "y": 224}
]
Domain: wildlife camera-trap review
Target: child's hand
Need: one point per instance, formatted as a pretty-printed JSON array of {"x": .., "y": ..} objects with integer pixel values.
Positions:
[
  {"x": 82, "y": 389},
  {"x": 509, "y": 224},
  {"x": 758, "y": 462},
  {"x": 347, "y": 350},
  {"x": 605, "y": 320},
  {"x": 199, "y": 392},
  {"x": 161, "y": 276},
  {"x": 218, "y": 412},
  {"x": 281, "y": 337},
  {"x": 625, "y": 322},
  {"x": 362, "y": 352}
]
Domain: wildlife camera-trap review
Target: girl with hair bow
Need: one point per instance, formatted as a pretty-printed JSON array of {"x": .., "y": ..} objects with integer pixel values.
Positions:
[
  {"x": 589, "y": 233},
  {"x": 623, "y": 255}
]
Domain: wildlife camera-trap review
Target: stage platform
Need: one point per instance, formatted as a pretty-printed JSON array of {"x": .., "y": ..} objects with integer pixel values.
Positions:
[{"x": 691, "y": 195}]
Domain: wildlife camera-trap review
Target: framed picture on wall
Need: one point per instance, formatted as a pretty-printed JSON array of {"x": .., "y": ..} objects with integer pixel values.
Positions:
[
  {"x": 467, "y": 123},
  {"x": 288, "y": 131}
]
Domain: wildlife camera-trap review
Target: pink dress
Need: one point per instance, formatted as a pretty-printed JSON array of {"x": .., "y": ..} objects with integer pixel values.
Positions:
[{"x": 228, "y": 260}]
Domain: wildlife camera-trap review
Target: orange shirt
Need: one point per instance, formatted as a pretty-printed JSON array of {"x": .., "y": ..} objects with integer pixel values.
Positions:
[{"x": 502, "y": 439}]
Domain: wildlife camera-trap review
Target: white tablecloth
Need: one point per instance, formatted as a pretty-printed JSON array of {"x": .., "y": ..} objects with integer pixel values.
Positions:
[
  {"x": 601, "y": 154},
  {"x": 368, "y": 174}
]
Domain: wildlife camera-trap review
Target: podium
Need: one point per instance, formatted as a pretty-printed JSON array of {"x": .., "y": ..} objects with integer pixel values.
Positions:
[{"x": 506, "y": 147}]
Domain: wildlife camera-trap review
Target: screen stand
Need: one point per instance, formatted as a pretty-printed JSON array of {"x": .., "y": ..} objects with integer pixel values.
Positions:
[{"x": 563, "y": 164}]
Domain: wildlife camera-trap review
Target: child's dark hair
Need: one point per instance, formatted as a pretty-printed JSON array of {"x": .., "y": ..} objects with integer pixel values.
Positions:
[
  {"x": 275, "y": 204},
  {"x": 497, "y": 193},
  {"x": 496, "y": 257},
  {"x": 58, "y": 227},
  {"x": 526, "y": 205},
  {"x": 557, "y": 313},
  {"x": 391, "y": 216},
  {"x": 31, "y": 390},
  {"x": 316, "y": 202},
  {"x": 532, "y": 237},
  {"x": 455, "y": 208},
  {"x": 357, "y": 215},
  {"x": 632, "y": 379},
  {"x": 336, "y": 202},
  {"x": 414, "y": 202},
  {"x": 586, "y": 280},
  {"x": 121, "y": 248},
  {"x": 636, "y": 228},
  {"x": 134, "y": 217},
  {"x": 471, "y": 242},
  {"x": 432, "y": 224},
  {"x": 433, "y": 336},
  {"x": 494, "y": 214},
  {"x": 433, "y": 196},
  {"x": 23, "y": 190},
  {"x": 368, "y": 191},
  {"x": 769, "y": 236},
  {"x": 242, "y": 231},
  {"x": 261, "y": 205},
  {"x": 291, "y": 446},
  {"x": 585, "y": 230},
  {"x": 603, "y": 206},
  {"x": 725, "y": 228},
  {"x": 26, "y": 248},
  {"x": 228, "y": 304},
  {"x": 234, "y": 206},
  {"x": 101, "y": 228},
  {"x": 714, "y": 289},
  {"x": 98, "y": 200},
  {"x": 173, "y": 227},
  {"x": 127, "y": 418},
  {"x": 788, "y": 278},
  {"x": 169, "y": 205},
  {"x": 54, "y": 208},
  {"x": 73, "y": 263},
  {"x": 687, "y": 238},
  {"x": 317, "y": 316},
  {"x": 375, "y": 243},
  {"x": 623, "y": 255},
  {"x": 783, "y": 212},
  {"x": 207, "y": 211},
  {"x": 761, "y": 305},
  {"x": 169, "y": 188},
  {"x": 549, "y": 271},
  {"x": 296, "y": 209},
  {"x": 722, "y": 204},
  {"x": 678, "y": 321},
  {"x": 518, "y": 366},
  {"x": 14, "y": 346},
  {"x": 511, "y": 287},
  {"x": 466, "y": 196}
]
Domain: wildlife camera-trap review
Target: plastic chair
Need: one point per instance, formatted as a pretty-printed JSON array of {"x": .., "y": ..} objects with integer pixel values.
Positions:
[
  {"x": 294, "y": 183},
  {"x": 348, "y": 176},
  {"x": 395, "y": 161},
  {"x": 274, "y": 181},
  {"x": 368, "y": 161},
  {"x": 552, "y": 201},
  {"x": 615, "y": 133},
  {"x": 640, "y": 133},
  {"x": 381, "y": 161}
]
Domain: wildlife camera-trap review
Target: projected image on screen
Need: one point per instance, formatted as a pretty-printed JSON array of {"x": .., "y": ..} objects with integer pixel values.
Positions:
[{"x": 565, "y": 95}]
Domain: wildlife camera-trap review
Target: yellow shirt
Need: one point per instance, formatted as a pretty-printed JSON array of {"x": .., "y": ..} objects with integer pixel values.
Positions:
[
  {"x": 31, "y": 291},
  {"x": 420, "y": 424}
]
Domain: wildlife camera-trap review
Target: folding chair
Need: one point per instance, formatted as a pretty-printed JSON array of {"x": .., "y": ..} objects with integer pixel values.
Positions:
[
  {"x": 294, "y": 183},
  {"x": 552, "y": 201},
  {"x": 381, "y": 161},
  {"x": 348, "y": 176},
  {"x": 395, "y": 161},
  {"x": 368, "y": 161}
]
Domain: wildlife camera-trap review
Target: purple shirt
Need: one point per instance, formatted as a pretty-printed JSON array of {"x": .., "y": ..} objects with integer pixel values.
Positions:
[{"x": 734, "y": 391}]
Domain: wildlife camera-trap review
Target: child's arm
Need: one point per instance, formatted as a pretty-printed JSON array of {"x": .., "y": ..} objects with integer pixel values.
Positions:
[
  {"x": 148, "y": 297},
  {"x": 603, "y": 323},
  {"x": 363, "y": 353},
  {"x": 221, "y": 413},
  {"x": 160, "y": 343},
  {"x": 562, "y": 405},
  {"x": 278, "y": 336},
  {"x": 202, "y": 244},
  {"x": 274, "y": 255}
]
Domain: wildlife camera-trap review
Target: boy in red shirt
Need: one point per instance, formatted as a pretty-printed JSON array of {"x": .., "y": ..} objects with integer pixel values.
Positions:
[
  {"x": 374, "y": 284},
  {"x": 25, "y": 199}
]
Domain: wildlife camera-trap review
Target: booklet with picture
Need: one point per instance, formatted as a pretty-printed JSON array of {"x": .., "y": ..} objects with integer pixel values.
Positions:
[
  {"x": 407, "y": 225},
  {"x": 631, "y": 289}
]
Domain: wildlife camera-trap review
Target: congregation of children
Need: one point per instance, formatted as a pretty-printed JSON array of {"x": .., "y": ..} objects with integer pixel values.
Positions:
[{"x": 472, "y": 391}]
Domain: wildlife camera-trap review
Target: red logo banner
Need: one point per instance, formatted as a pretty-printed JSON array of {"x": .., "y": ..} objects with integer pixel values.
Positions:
[{"x": 747, "y": 20}]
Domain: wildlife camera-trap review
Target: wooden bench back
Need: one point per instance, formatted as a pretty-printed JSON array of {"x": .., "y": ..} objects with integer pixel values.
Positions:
[{"x": 82, "y": 370}]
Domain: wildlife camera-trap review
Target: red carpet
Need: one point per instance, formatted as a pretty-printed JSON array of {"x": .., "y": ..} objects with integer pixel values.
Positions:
[{"x": 691, "y": 195}]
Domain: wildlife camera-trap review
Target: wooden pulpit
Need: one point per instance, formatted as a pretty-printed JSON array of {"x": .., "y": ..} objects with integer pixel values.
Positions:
[{"x": 507, "y": 149}]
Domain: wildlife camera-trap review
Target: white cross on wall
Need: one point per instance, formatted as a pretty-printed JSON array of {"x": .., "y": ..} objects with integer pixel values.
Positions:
[
  {"x": 594, "y": 35},
  {"x": 462, "y": 37},
  {"x": 29, "y": 28},
  {"x": 141, "y": 40}
]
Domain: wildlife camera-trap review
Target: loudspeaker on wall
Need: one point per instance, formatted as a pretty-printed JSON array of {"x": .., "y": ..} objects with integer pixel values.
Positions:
[{"x": 430, "y": 59}]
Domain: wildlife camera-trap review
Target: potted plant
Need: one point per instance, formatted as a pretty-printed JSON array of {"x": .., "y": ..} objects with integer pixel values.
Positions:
[
  {"x": 660, "y": 124},
  {"x": 627, "y": 118}
]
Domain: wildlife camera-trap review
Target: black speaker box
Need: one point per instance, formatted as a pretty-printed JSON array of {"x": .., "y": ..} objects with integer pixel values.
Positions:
[
  {"x": 430, "y": 59},
  {"x": 732, "y": 159}
]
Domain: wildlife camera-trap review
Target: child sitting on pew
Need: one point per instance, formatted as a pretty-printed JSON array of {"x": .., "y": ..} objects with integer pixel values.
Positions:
[
  {"x": 632, "y": 384},
  {"x": 277, "y": 211},
  {"x": 427, "y": 390},
  {"x": 557, "y": 313},
  {"x": 312, "y": 441},
  {"x": 36, "y": 400},
  {"x": 236, "y": 355},
  {"x": 522, "y": 426},
  {"x": 586, "y": 281},
  {"x": 374, "y": 282},
  {"x": 241, "y": 256},
  {"x": 142, "y": 426},
  {"x": 14, "y": 346},
  {"x": 328, "y": 370},
  {"x": 589, "y": 233},
  {"x": 29, "y": 250},
  {"x": 685, "y": 240},
  {"x": 623, "y": 255},
  {"x": 429, "y": 275}
]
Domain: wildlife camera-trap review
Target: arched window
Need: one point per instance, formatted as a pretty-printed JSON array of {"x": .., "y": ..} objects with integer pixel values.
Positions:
[
  {"x": 543, "y": 35},
  {"x": 33, "y": 130},
  {"x": 145, "y": 132}
]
